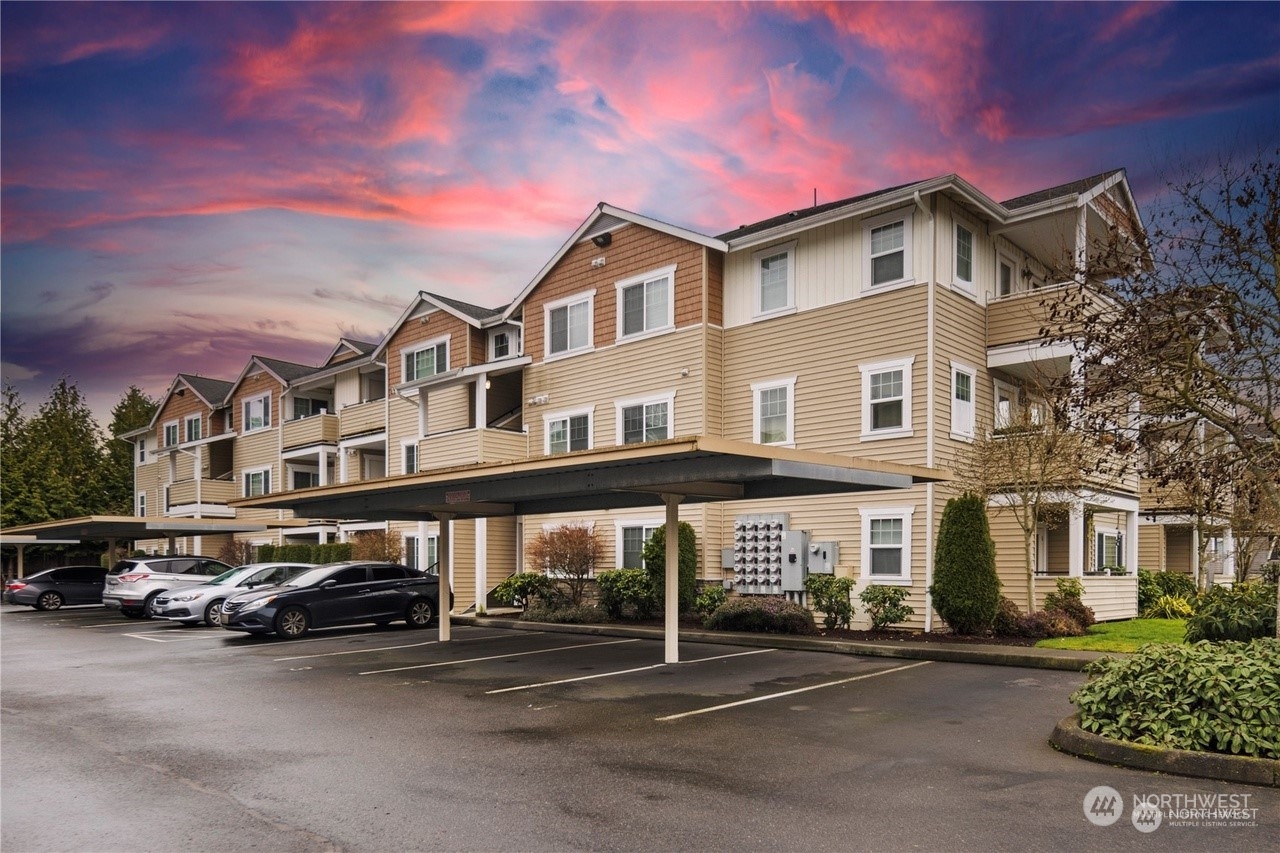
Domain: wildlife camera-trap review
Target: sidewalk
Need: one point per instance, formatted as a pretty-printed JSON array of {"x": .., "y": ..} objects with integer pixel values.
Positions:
[{"x": 1027, "y": 656}]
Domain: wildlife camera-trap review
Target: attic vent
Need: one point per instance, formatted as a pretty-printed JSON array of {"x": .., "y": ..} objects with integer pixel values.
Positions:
[{"x": 603, "y": 225}]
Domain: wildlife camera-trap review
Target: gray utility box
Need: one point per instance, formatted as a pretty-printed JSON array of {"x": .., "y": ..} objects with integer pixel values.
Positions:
[
  {"x": 823, "y": 557},
  {"x": 795, "y": 559}
]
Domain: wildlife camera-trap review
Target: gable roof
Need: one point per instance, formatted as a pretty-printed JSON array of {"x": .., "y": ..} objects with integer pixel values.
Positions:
[
  {"x": 284, "y": 372},
  {"x": 1060, "y": 191},
  {"x": 805, "y": 213},
  {"x": 350, "y": 345},
  {"x": 212, "y": 392},
  {"x": 472, "y": 315},
  {"x": 603, "y": 219}
]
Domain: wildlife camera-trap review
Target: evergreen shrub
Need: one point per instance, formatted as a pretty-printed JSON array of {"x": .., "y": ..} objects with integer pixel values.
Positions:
[{"x": 966, "y": 589}]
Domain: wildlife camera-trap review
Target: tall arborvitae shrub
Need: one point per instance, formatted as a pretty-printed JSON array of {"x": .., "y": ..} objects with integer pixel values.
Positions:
[
  {"x": 655, "y": 563},
  {"x": 966, "y": 589}
]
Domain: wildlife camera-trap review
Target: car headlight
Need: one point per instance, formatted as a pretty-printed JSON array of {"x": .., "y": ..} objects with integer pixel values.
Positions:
[
  {"x": 256, "y": 605},
  {"x": 188, "y": 596}
]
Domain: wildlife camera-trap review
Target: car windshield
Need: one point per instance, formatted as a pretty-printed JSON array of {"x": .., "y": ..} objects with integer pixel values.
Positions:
[
  {"x": 311, "y": 577},
  {"x": 225, "y": 577}
]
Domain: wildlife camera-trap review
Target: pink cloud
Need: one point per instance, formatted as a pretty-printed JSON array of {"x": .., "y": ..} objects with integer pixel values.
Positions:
[{"x": 1130, "y": 17}]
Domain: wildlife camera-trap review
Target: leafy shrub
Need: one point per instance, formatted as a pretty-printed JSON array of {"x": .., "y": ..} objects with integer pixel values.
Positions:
[
  {"x": 1242, "y": 612},
  {"x": 569, "y": 553},
  {"x": 830, "y": 595},
  {"x": 770, "y": 614},
  {"x": 884, "y": 604},
  {"x": 655, "y": 563},
  {"x": 966, "y": 589},
  {"x": 570, "y": 614},
  {"x": 1008, "y": 621},
  {"x": 1271, "y": 572},
  {"x": 1040, "y": 624},
  {"x": 627, "y": 589},
  {"x": 1065, "y": 599},
  {"x": 523, "y": 588},
  {"x": 1152, "y": 585},
  {"x": 1169, "y": 607},
  {"x": 709, "y": 598},
  {"x": 331, "y": 552},
  {"x": 1211, "y": 697},
  {"x": 266, "y": 553}
]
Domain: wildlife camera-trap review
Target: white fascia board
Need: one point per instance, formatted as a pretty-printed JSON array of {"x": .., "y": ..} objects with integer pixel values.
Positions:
[
  {"x": 664, "y": 227},
  {"x": 1010, "y": 355}
]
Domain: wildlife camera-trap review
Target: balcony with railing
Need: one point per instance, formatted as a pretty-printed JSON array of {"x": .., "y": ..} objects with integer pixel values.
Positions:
[
  {"x": 1021, "y": 317},
  {"x": 311, "y": 430},
  {"x": 363, "y": 418},
  {"x": 202, "y": 498},
  {"x": 472, "y": 446}
]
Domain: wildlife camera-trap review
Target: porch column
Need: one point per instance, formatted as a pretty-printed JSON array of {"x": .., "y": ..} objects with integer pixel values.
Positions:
[
  {"x": 1082, "y": 242},
  {"x": 444, "y": 558},
  {"x": 482, "y": 401},
  {"x": 1131, "y": 542},
  {"x": 1075, "y": 541},
  {"x": 342, "y": 465},
  {"x": 1229, "y": 557},
  {"x": 22, "y": 571},
  {"x": 1195, "y": 556},
  {"x": 111, "y": 553},
  {"x": 671, "y": 605},
  {"x": 324, "y": 467},
  {"x": 482, "y": 562}
]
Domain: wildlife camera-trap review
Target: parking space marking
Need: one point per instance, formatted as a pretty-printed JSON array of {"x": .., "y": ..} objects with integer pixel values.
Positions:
[
  {"x": 497, "y": 657},
  {"x": 393, "y": 648},
  {"x": 788, "y": 692},
  {"x": 129, "y": 624},
  {"x": 733, "y": 655},
  {"x": 571, "y": 680}
]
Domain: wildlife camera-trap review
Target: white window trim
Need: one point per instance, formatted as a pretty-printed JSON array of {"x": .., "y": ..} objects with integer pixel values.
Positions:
[
  {"x": 406, "y": 356},
  {"x": 962, "y": 434},
  {"x": 756, "y": 258},
  {"x": 1013, "y": 393},
  {"x": 1100, "y": 535},
  {"x": 789, "y": 383},
  {"x": 513, "y": 347},
  {"x": 1005, "y": 258},
  {"x": 266, "y": 413},
  {"x": 186, "y": 427},
  {"x": 266, "y": 481},
  {"x": 618, "y": 526},
  {"x": 589, "y": 411},
  {"x": 140, "y": 504},
  {"x": 964, "y": 285},
  {"x": 669, "y": 322},
  {"x": 291, "y": 468},
  {"x": 904, "y": 215},
  {"x": 404, "y": 449},
  {"x": 177, "y": 431},
  {"x": 874, "y": 513},
  {"x": 669, "y": 398},
  {"x": 141, "y": 446},
  {"x": 904, "y": 431},
  {"x": 587, "y": 296}
]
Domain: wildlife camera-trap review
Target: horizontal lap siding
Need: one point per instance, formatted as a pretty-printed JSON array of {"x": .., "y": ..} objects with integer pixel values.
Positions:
[
  {"x": 959, "y": 337},
  {"x": 463, "y": 542},
  {"x": 402, "y": 425},
  {"x": 1010, "y": 554},
  {"x": 1151, "y": 546},
  {"x": 501, "y": 550},
  {"x": 604, "y": 523},
  {"x": 448, "y": 409}
]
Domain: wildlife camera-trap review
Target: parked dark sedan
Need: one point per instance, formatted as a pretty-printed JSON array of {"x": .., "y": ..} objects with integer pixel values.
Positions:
[
  {"x": 52, "y": 588},
  {"x": 336, "y": 594}
]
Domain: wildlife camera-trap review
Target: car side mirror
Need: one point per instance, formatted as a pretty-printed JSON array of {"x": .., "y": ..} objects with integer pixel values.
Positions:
[{"x": 329, "y": 584}]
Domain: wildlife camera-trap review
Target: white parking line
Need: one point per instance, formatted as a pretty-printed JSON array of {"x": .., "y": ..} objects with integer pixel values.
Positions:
[
  {"x": 571, "y": 680},
  {"x": 734, "y": 655},
  {"x": 496, "y": 657},
  {"x": 789, "y": 692},
  {"x": 392, "y": 648}
]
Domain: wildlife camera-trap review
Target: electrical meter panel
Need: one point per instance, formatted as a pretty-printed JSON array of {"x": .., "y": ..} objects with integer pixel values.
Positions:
[
  {"x": 795, "y": 559},
  {"x": 757, "y": 553},
  {"x": 823, "y": 557}
]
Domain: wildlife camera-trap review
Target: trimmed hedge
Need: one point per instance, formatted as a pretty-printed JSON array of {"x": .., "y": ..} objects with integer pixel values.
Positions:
[
  {"x": 965, "y": 589},
  {"x": 767, "y": 614},
  {"x": 330, "y": 552},
  {"x": 655, "y": 563}
]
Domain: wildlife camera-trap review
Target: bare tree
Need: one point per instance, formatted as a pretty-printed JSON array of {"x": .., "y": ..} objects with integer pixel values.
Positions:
[
  {"x": 569, "y": 554},
  {"x": 377, "y": 545}
]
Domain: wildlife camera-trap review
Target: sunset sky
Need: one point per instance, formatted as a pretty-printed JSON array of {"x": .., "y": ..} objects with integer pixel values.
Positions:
[{"x": 185, "y": 185}]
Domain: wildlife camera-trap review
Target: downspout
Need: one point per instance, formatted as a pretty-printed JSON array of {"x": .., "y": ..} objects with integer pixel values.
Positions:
[{"x": 930, "y": 382}]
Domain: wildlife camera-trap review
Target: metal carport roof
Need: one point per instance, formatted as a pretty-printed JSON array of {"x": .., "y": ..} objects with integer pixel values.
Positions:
[{"x": 681, "y": 470}]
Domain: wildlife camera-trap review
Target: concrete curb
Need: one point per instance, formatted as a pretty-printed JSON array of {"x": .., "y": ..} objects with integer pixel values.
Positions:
[
  {"x": 1069, "y": 737},
  {"x": 1058, "y": 659}
]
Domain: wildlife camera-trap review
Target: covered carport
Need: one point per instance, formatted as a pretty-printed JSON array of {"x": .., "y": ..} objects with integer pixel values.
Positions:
[
  {"x": 681, "y": 470},
  {"x": 121, "y": 528}
]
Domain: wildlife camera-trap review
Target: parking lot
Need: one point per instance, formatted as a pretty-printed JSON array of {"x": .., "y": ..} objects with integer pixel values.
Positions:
[{"x": 140, "y": 735}]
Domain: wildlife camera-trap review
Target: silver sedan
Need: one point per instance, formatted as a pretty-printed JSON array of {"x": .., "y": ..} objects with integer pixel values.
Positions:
[{"x": 192, "y": 605}]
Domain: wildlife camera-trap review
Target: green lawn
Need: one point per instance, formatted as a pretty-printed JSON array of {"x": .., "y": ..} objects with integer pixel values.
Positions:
[{"x": 1121, "y": 636}]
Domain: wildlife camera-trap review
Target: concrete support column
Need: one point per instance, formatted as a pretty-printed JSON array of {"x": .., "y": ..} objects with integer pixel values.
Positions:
[
  {"x": 324, "y": 468},
  {"x": 446, "y": 585},
  {"x": 1075, "y": 542},
  {"x": 671, "y": 604},
  {"x": 482, "y": 562},
  {"x": 482, "y": 401},
  {"x": 1131, "y": 541},
  {"x": 22, "y": 569}
]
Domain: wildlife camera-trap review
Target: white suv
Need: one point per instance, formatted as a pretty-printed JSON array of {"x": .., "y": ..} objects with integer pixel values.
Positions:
[{"x": 134, "y": 583}]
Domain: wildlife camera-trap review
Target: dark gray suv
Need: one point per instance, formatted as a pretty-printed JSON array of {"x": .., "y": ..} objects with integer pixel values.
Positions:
[{"x": 134, "y": 583}]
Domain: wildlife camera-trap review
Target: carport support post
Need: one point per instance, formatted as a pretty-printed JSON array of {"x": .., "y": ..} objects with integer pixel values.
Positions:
[
  {"x": 442, "y": 569},
  {"x": 671, "y": 605}
]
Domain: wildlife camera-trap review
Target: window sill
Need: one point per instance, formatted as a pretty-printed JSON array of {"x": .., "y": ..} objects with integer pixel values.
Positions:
[
  {"x": 956, "y": 436},
  {"x": 872, "y": 289},
  {"x": 784, "y": 311},
  {"x": 648, "y": 333},
  {"x": 884, "y": 435},
  {"x": 966, "y": 289},
  {"x": 887, "y": 580},
  {"x": 560, "y": 356}
]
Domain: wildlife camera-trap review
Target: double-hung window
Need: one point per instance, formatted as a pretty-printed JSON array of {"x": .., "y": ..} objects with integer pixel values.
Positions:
[
  {"x": 192, "y": 427},
  {"x": 257, "y": 413},
  {"x": 632, "y": 537},
  {"x": 644, "y": 420},
  {"x": 646, "y": 303},
  {"x": 142, "y": 451},
  {"x": 775, "y": 278},
  {"x": 888, "y": 250},
  {"x": 142, "y": 504},
  {"x": 886, "y": 399},
  {"x": 962, "y": 411},
  {"x": 499, "y": 344},
  {"x": 886, "y": 544},
  {"x": 410, "y": 456},
  {"x": 171, "y": 434},
  {"x": 257, "y": 482},
  {"x": 1110, "y": 549},
  {"x": 426, "y": 361},
  {"x": 568, "y": 324},
  {"x": 773, "y": 411},
  {"x": 1004, "y": 276},
  {"x": 568, "y": 431},
  {"x": 964, "y": 257}
]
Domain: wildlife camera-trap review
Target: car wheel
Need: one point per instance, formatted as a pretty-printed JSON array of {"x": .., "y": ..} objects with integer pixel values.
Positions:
[
  {"x": 292, "y": 622},
  {"x": 420, "y": 613},
  {"x": 213, "y": 614},
  {"x": 49, "y": 600},
  {"x": 146, "y": 605}
]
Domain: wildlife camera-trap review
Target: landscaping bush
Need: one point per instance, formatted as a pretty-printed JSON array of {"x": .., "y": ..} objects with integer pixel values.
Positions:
[
  {"x": 770, "y": 614},
  {"x": 884, "y": 604},
  {"x": 655, "y": 563},
  {"x": 1065, "y": 599},
  {"x": 1211, "y": 697},
  {"x": 1242, "y": 612},
  {"x": 1042, "y": 624},
  {"x": 966, "y": 589},
  {"x": 830, "y": 595},
  {"x": 1169, "y": 607},
  {"x": 1271, "y": 572},
  {"x": 709, "y": 598},
  {"x": 627, "y": 589},
  {"x": 569, "y": 554},
  {"x": 525, "y": 588},
  {"x": 1152, "y": 585},
  {"x": 571, "y": 614},
  {"x": 1008, "y": 621},
  {"x": 266, "y": 553}
]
